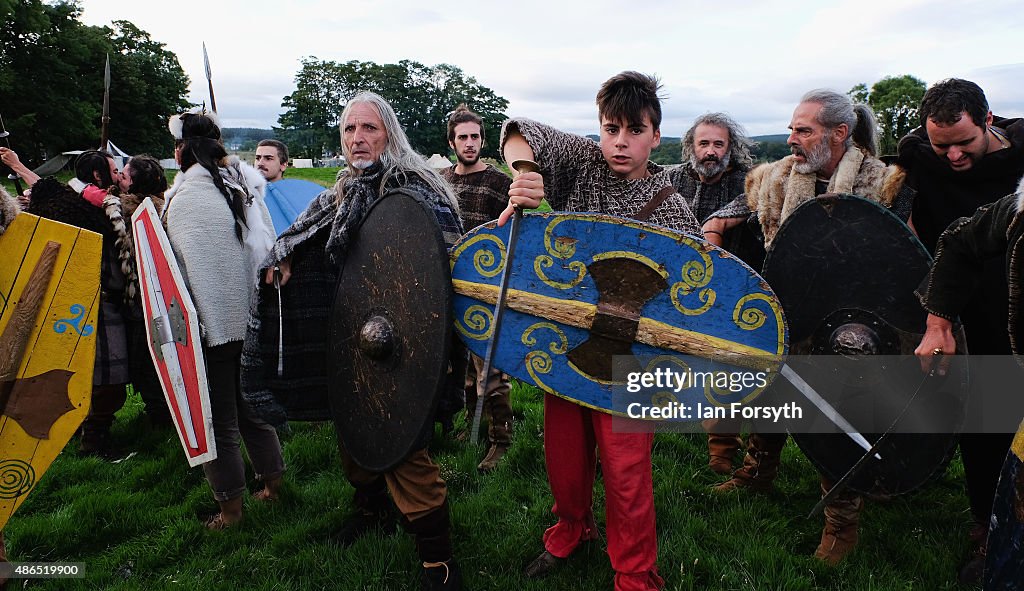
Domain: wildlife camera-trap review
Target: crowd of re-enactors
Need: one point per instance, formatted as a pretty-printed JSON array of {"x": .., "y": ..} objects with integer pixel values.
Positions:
[{"x": 954, "y": 182}]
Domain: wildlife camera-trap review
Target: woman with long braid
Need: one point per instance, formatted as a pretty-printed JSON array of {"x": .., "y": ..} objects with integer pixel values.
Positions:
[{"x": 220, "y": 230}]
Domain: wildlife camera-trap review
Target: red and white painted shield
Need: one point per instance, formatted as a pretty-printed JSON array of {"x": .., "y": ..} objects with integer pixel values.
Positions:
[{"x": 172, "y": 327}]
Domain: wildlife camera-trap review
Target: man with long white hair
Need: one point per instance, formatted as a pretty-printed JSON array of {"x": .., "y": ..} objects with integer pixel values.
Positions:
[{"x": 309, "y": 255}]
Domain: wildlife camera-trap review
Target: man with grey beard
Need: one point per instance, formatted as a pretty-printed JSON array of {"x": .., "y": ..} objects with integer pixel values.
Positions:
[
  {"x": 716, "y": 158},
  {"x": 834, "y": 146}
]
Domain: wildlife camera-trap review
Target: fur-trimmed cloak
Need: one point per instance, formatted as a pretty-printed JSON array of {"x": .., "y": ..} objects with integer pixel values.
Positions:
[
  {"x": 8, "y": 209},
  {"x": 774, "y": 190}
]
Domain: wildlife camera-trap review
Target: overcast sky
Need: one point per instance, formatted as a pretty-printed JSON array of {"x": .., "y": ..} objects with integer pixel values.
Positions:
[{"x": 752, "y": 59}]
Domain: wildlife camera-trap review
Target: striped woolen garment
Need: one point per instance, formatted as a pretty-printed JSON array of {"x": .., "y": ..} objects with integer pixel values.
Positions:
[
  {"x": 482, "y": 195},
  {"x": 703, "y": 198}
]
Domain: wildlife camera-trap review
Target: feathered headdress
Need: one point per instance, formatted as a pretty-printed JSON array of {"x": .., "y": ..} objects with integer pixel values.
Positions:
[{"x": 195, "y": 123}]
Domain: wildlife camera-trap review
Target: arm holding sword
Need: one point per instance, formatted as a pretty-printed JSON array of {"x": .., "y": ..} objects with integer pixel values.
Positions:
[
  {"x": 527, "y": 190},
  {"x": 994, "y": 229}
]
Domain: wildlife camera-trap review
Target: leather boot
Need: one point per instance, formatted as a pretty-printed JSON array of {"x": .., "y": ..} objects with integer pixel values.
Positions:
[
  {"x": 106, "y": 400},
  {"x": 432, "y": 533},
  {"x": 373, "y": 511},
  {"x": 543, "y": 565},
  {"x": 442, "y": 576},
  {"x": 842, "y": 516},
  {"x": 760, "y": 465},
  {"x": 230, "y": 514},
  {"x": 971, "y": 571},
  {"x": 722, "y": 449},
  {"x": 494, "y": 455}
]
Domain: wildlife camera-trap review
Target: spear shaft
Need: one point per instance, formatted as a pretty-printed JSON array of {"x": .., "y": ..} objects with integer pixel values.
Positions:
[{"x": 105, "y": 122}]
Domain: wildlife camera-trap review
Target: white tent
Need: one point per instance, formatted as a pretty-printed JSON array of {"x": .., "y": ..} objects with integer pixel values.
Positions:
[
  {"x": 438, "y": 162},
  {"x": 64, "y": 159}
]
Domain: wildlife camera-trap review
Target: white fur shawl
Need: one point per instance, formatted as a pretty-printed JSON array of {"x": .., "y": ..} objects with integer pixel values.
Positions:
[
  {"x": 221, "y": 273},
  {"x": 1020, "y": 196},
  {"x": 8, "y": 209}
]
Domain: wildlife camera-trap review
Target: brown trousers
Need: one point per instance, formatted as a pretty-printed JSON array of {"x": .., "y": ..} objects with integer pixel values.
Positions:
[
  {"x": 234, "y": 420},
  {"x": 416, "y": 485}
]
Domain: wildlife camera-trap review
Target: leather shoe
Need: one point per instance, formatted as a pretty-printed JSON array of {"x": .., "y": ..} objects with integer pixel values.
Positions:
[
  {"x": 494, "y": 455},
  {"x": 543, "y": 565}
]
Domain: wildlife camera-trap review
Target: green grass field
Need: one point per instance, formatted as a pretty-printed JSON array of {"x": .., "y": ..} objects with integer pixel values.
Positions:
[{"x": 136, "y": 524}]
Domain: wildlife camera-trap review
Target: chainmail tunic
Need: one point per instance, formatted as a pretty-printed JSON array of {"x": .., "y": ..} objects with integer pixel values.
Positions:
[{"x": 577, "y": 178}]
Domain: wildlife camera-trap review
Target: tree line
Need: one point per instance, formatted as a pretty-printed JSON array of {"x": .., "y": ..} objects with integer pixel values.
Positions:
[
  {"x": 51, "y": 92},
  {"x": 422, "y": 96},
  {"x": 51, "y": 82}
]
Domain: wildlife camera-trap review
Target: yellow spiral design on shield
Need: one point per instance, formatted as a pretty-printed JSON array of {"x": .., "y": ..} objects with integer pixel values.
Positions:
[
  {"x": 558, "y": 248},
  {"x": 664, "y": 399},
  {"x": 712, "y": 391},
  {"x": 748, "y": 317},
  {"x": 484, "y": 260},
  {"x": 558, "y": 347},
  {"x": 476, "y": 323},
  {"x": 538, "y": 362},
  {"x": 696, "y": 275}
]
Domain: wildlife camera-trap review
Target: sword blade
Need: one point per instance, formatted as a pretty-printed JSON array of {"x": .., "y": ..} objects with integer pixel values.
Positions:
[
  {"x": 499, "y": 309},
  {"x": 858, "y": 466},
  {"x": 826, "y": 409}
]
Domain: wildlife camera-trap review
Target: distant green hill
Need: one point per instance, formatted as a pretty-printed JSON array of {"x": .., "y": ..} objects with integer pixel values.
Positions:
[{"x": 775, "y": 138}]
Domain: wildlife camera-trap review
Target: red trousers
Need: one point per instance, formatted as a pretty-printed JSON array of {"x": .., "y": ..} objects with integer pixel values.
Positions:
[{"x": 572, "y": 436}]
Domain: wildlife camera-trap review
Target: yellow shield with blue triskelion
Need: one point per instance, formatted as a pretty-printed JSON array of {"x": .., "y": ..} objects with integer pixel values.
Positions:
[
  {"x": 594, "y": 301},
  {"x": 49, "y": 302}
]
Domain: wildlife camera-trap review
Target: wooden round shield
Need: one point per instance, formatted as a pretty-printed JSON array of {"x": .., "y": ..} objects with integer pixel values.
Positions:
[
  {"x": 845, "y": 269},
  {"x": 390, "y": 333}
]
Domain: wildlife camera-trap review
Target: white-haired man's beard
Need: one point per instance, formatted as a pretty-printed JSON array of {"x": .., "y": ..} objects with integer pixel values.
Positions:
[
  {"x": 816, "y": 159},
  {"x": 362, "y": 164},
  {"x": 710, "y": 166}
]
